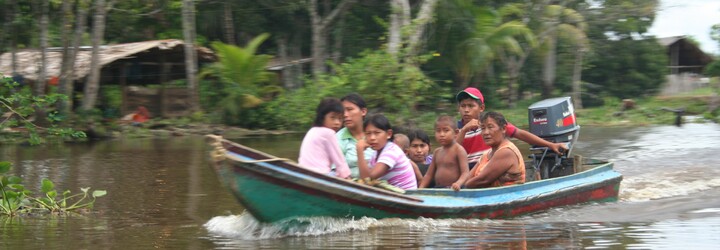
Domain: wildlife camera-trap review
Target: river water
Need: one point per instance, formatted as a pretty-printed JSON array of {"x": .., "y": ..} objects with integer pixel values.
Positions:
[{"x": 162, "y": 194}]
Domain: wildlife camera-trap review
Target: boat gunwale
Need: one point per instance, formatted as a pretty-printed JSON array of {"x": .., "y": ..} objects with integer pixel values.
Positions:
[
  {"x": 292, "y": 166},
  {"x": 432, "y": 211},
  {"x": 379, "y": 195}
]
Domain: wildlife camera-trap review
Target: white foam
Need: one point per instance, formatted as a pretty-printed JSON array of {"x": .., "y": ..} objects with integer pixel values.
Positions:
[
  {"x": 246, "y": 227},
  {"x": 667, "y": 184}
]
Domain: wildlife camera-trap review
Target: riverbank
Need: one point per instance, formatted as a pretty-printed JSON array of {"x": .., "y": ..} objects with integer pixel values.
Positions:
[
  {"x": 661, "y": 110},
  {"x": 641, "y": 112}
]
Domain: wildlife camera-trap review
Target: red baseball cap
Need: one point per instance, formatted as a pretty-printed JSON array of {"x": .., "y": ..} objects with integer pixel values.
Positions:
[{"x": 472, "y": 93}]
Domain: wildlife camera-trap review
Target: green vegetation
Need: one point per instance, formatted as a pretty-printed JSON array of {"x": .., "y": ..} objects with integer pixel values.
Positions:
[
  {"x": 15, "y": 199},
  {"x": 23, "y": 110},
  {"x": 405, "y": 66},
  {"x": 647, "y": 111}
]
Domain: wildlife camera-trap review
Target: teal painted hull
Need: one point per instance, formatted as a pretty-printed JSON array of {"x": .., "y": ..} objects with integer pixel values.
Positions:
[{"x": 274, "y": 190}]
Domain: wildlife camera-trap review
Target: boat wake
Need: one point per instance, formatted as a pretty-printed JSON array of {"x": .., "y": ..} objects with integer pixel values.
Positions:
[
  {"x": 658, "y": 185},
  {"x": 246, "y": 227}
]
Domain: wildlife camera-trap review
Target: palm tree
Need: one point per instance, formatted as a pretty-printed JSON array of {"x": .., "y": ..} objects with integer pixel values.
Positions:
[
  {"x": 242, "y": 74},
  {"x": 494, "y": 39},
  {"x": 559, "y": 20}
]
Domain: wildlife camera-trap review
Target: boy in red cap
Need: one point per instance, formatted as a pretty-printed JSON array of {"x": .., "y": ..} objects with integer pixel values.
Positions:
[{"x": 471, "y": 104}]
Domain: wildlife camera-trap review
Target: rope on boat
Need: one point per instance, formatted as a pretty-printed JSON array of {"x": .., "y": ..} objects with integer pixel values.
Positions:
[{"x": 219, "y": 152}]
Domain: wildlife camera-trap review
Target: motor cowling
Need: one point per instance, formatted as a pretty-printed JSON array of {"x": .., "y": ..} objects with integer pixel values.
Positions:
[{"x": 552, "y": 120}]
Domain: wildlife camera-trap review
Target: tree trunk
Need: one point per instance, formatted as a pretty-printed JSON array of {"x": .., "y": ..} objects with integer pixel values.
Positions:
[
  {"x": 550, "y": 66},
  {"x": 67, "y": 23},
  {"x": 396, "y": 22},
  {"x": 43, "y": 26},
  {"x": 424, "y": 17},
  {"x": 320, "y": 27},
  {"x": 190, "y": 53},
  {"x": 92, "y": 84},
  {"x": 283, "y": 55},
  {"x": 577, "y": 78},
  {"x": 513, "y": 74},
  {"x": 13, "y": 41},
  {"x": 296, "y": 70},
  {"x": 7, "y": 24},
  {"x": 228, "y": 23},
  {"x": 338, "y": 41},
  {"x": 513, "y": 65},
  {"x": 80, "y": 26}
]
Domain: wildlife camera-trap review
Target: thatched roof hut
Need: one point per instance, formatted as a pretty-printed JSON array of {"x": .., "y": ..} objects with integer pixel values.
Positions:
[{"x": 147, "y": 52}]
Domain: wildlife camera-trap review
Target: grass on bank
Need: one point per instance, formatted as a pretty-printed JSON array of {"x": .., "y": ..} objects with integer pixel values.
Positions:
[{"x": 647, "y": 111}]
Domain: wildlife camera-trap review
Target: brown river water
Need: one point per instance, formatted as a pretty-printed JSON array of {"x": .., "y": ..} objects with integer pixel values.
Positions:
[{"x": 163, "y": 195}]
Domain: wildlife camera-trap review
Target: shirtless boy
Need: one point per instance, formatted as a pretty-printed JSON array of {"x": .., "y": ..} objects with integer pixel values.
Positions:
[{"x": 449, "y": 166}]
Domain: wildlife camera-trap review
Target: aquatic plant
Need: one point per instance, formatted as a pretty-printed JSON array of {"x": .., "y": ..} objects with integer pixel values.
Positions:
[{"x": 15, "y": 199}]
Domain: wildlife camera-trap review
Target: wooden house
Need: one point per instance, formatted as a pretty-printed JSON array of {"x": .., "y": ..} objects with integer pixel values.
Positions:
[{"x": 132, "y": 66}]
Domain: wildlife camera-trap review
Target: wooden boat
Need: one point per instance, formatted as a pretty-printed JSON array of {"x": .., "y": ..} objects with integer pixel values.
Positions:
[{"x": 274, "y": 189}]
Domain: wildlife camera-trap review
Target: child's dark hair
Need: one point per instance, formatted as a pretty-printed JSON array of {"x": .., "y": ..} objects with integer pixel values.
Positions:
[
  {"x": 446, "y": 119},
  {"x": 379, "y": 121},
  {"x": 355, "y": 99},
  {"x": 327, "y": 105},
  {"x": 418, "y": 134},
  {"x": 499, "y": 118}
]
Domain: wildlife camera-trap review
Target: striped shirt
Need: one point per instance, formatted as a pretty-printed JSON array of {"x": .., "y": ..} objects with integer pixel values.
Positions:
[{"x": 400, "y": 171}]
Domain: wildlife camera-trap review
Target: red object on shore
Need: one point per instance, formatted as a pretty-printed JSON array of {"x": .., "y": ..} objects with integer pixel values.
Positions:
[{"x": 141, "y": 115}]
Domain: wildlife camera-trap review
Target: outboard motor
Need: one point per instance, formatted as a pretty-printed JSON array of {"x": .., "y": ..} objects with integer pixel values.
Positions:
[{"x": 553, "y": 120}]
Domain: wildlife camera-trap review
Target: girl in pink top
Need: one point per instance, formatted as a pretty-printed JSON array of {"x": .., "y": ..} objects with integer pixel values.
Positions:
[
  {"x": 390, "y": 162},
  {"x": 320, "y": 149}
]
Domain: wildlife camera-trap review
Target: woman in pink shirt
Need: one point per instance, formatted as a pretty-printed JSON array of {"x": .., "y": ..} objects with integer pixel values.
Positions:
[{"x": 320, "y": 149}]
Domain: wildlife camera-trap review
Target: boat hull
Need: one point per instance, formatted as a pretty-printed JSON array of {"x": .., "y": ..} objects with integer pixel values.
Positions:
[{"x": 277, "y": 190}]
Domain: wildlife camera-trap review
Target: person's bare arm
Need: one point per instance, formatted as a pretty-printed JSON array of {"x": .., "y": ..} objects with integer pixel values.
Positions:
[
  {"x": 501, "y": 162},
  {"x": 533, "y": 139},
  {"x": 471, "y": 125},
  {"x": 463, "y": 165},
  {"x": 430, "y": 174},
  {"x": 418, "y": 174}
]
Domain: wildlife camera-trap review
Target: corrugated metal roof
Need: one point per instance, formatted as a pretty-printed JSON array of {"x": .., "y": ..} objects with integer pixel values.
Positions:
[
  {"x": 667, "y": 41},
  {"x": 28, "y": 61}
]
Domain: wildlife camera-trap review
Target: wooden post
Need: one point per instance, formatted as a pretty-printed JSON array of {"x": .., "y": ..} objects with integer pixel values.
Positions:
[
  {"x": 578, "y": 163},
  {"x": 164, "y": 71},
  {"x": 123, "y": 88}
]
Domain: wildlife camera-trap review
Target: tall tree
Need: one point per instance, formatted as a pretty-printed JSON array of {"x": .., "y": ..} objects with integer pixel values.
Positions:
[
  {"x": 83, "y": 7},
  {"x": 321, "y": 25},
  {"x": 67, "y": 59},
  {"x": 190, "y": 53},
  {"x": 406, "y": 33},
  {"x": 7, "y": 24},
  {"x": 228, "y": 23},
  {"x": 399, "y": 17},
  {"x": 559, "y": 19},
  {"x": 92, "y": 84},
  {"x": 509, "y": 42},
  {"x": 43, "y": 9}
]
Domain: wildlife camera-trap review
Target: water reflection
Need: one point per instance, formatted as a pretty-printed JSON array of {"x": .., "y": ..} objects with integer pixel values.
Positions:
[{"x": 478, "y": 234}]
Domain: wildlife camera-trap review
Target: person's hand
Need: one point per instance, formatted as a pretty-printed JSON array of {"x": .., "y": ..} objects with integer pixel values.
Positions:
[
  {"x": 471, "y": 125},
  {"x": 456, "y": 186},
  {"x": 559, "y": 148},
  {"x": 362, "y": 145}
]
